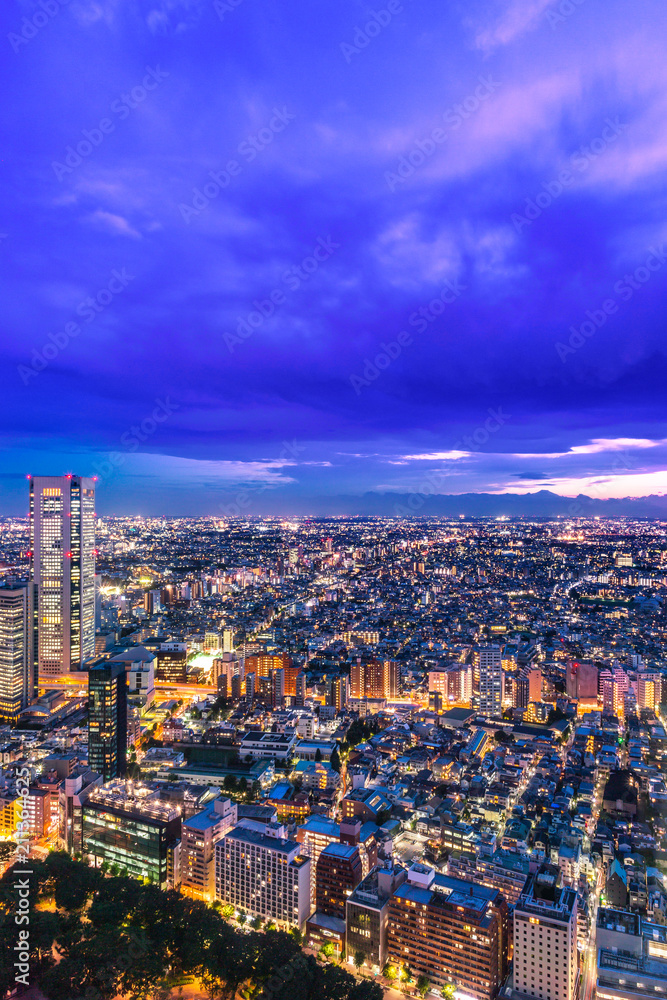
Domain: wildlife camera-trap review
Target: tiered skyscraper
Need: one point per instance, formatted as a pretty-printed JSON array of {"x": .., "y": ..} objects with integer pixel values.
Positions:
[{"x": 62, "y": 562}]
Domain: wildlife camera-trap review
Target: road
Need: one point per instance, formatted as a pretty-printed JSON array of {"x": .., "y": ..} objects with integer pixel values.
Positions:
[{"x": 588, "y": 972}]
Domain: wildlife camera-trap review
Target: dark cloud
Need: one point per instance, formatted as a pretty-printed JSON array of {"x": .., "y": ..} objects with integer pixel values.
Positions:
[{"x": 463, "y": 260}]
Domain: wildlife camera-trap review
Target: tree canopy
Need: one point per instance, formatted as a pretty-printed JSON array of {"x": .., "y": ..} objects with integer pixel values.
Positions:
[{"x": 115, "y": 935}]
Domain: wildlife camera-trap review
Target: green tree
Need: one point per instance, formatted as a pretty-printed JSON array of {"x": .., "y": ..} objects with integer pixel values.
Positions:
[
  {"x": 7, "y": 849},
  {"x": 390, "y": 972},
  {"x": 423, "y": 983},
  {"x": 366, "y": 989},
  {"x": 359, "y": 958},
  {"x": 318, "y": 755},
  {"x": 335, "y": 760},
  {"x": 327, "y": 949}
]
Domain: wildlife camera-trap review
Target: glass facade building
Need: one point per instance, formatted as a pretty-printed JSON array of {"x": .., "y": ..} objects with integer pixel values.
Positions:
[
  {"x": 107, "y": 719},
  {"x": 133, "y": 831}
]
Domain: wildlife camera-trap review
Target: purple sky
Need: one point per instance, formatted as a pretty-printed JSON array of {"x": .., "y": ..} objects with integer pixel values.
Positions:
[{"x": 436, "y": 247}]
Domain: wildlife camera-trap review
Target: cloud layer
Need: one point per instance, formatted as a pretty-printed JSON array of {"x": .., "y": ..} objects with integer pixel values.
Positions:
[{"x": 366, "y": 235}]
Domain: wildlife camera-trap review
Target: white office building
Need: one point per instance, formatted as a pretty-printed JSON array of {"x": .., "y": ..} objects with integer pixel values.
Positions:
[{"x": 264, "y": 875}]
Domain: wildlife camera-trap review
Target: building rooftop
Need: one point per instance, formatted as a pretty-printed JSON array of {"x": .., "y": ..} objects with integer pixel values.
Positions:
[
  {"x": 340, "y": 850},
  {"x": 261, "y": 840}
]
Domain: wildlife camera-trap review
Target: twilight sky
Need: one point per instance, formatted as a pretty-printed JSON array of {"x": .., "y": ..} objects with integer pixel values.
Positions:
[{"x": 271, "y": 249}]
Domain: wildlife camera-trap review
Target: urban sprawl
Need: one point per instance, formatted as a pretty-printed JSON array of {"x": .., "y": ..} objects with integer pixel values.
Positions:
[{"x": 431, "y": 750}]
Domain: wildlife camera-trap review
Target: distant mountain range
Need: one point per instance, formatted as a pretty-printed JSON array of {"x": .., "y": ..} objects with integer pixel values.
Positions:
[{"x": 540, "y": 504}]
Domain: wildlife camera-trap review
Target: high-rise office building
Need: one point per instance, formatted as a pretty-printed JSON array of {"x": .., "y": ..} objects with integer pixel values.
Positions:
[
  {"x": 172, "y": 663},
  {"x": 62, "y": 562},
  {"x": 18, "y": 682},
  {"x": 107, "y": 719}
]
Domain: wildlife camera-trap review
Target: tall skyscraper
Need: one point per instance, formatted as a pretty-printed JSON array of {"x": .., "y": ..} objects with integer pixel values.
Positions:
[
  {"x": 107, "y": 720},
  {"x": 490, "y": 680},
  {"x": 17, "y": 667},
  {"x": 62, "y": 562}
]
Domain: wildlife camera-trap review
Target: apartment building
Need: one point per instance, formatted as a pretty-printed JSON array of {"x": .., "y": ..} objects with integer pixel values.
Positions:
[
  {"x": 452, "y": 931},
  {"x": 545, "y": 938},
  {"x": 264, "y": 875},
  {"x": 199, "y": 835}
]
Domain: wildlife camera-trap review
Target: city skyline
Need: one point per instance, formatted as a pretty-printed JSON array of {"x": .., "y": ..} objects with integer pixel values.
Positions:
[{"x": 315, "y": 254}]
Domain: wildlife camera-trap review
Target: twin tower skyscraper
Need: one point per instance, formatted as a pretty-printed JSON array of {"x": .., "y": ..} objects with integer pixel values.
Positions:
[
  {"x": 47, "y": 625},
  {"x": 62, "y": 570}
]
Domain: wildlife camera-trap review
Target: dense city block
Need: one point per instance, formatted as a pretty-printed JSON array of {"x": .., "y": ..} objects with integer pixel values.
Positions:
[{"x": 418, "y": 756}]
